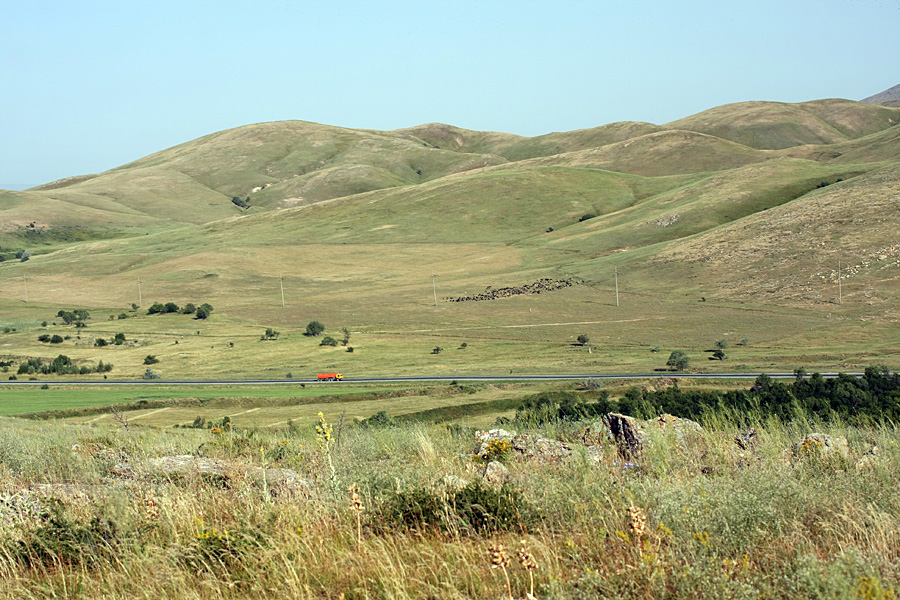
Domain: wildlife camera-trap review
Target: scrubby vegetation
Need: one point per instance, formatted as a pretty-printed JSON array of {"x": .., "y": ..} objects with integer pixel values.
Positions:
[
  {"x": 873, "y": 397},
  {"x": 61, "y": 365},
  {"x": 91, "y": 509}
]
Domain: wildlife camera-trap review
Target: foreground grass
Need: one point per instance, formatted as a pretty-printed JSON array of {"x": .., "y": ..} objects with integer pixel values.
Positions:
[{"x": 718, "y": 524}]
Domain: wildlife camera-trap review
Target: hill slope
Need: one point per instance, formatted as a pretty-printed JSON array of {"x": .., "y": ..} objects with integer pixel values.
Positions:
[
  {"x": 888, "y": 95},
  {"x": 711, "y": 225}
]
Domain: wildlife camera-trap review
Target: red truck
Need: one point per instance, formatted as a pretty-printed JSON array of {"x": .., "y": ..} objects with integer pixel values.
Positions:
[{"x": 329, "y": 377}]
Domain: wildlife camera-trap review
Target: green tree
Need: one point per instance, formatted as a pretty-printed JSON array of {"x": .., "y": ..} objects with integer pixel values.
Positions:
[
  {"x": 346, "y": 339},
  {"x": 314, "y": 328},
  {"x": 189, "y": 309},
  {"x": 156, "y": 308},
  {"x": 171, "y": 307},
  {"x": 678, "y": 360},
  {"x": 721, "y": 344},
  {"x": 583, "y": 339},
  {"x": 328, "y": 341},
  {"x": 719, "y": 354},
  {"x": 203, "y": 311}
]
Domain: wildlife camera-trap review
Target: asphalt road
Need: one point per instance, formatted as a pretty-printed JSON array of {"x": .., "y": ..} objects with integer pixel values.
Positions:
[{"x": 439, "y": 378}]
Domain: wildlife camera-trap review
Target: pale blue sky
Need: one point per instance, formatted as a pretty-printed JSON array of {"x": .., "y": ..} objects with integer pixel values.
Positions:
[{"x": 90, "y": 85}]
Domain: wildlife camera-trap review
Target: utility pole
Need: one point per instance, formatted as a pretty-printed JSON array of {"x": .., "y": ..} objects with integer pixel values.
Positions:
[
  {"x": 140, "y": 298},
  {"x": 840, "y": 295},
  {"x": 282, "y": 290},
  {"x": 434, "y": 286},
  {"x": 617, "y": 286},
  {"x": 25, "y": 280}
]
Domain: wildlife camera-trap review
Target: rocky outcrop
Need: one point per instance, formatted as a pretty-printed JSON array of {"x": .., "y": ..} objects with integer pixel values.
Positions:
[
  {"x": 821, "y": 445},
  {"x": 495, "y": 473},
  {"x": 275, "y": 480},
  {"x": 630, "y": 434},
  {"x": 529, "y": 447}
]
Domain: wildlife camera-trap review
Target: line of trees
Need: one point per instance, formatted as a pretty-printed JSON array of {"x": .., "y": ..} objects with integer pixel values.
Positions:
[
  {"x": 61, "y": 365},
  {"x": 873, "y": 397},
  {"x": 201, "y": 312}
]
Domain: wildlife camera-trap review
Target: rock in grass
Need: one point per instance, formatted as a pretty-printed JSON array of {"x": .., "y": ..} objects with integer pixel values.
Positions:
[
  {"x": 496, "y": 473},
  {"x": 821, "y": 445},
  {"x": 276, "y": 480},
  {"x": 628, "y": 434}
]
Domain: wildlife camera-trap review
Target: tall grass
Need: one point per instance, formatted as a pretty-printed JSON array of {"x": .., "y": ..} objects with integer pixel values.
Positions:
[{"x": 720, "y": 521}]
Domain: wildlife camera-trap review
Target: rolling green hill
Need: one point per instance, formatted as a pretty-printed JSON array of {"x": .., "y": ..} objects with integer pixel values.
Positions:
[
  {"x": 727, "y": 224},
  {"x": 775, "y": 125}
]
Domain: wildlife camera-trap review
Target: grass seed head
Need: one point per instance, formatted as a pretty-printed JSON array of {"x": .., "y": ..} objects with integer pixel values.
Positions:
[
  {"x": 355, "y": 501},
  {"x": 637, "y": 521},
  {"x": 499, "y": 559},
  {"x": 526, "y": 559}
]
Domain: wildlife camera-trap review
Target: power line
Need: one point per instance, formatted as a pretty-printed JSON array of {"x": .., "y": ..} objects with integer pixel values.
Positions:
[
  {"x": 617, "y": 286},
  {"x": 840, "y": 294},
  {"x": 434, "y": 286}
]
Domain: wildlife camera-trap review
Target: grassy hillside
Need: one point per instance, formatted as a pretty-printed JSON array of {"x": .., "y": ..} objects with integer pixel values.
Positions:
[
  {"x": 707, "y": 237},
  {"x": 774, "y": 125}
]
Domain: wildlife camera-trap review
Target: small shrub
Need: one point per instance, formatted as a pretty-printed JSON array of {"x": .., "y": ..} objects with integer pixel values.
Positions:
[
  {"x": 587, "y": 216},
  {"x": 498, "y": 450},
  {"x": 475, "y": 510},
  {"x": 56, "y": 339},
  {"x": 100, "y": 342},
  {"x": 378, "y": 420},
  {"x": 189, "y": 309},
  {"x": 583, "y": 340},
  {"x": 60, "y": 540},
  {"x": 437, "y": 350},
  {"x": 150, "y": 359},
  {"x": 328, "y": 341},
  {"x": 123, "y": 316},
  {"x": 314, "y": 328},
  {"x": 44, "y": 338},
  {"x": 270, "y": 334},
  {"x": 678, "y": 360},
  {"x": 150, "y": 374},
  {"x": 203, "y": 311}
]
